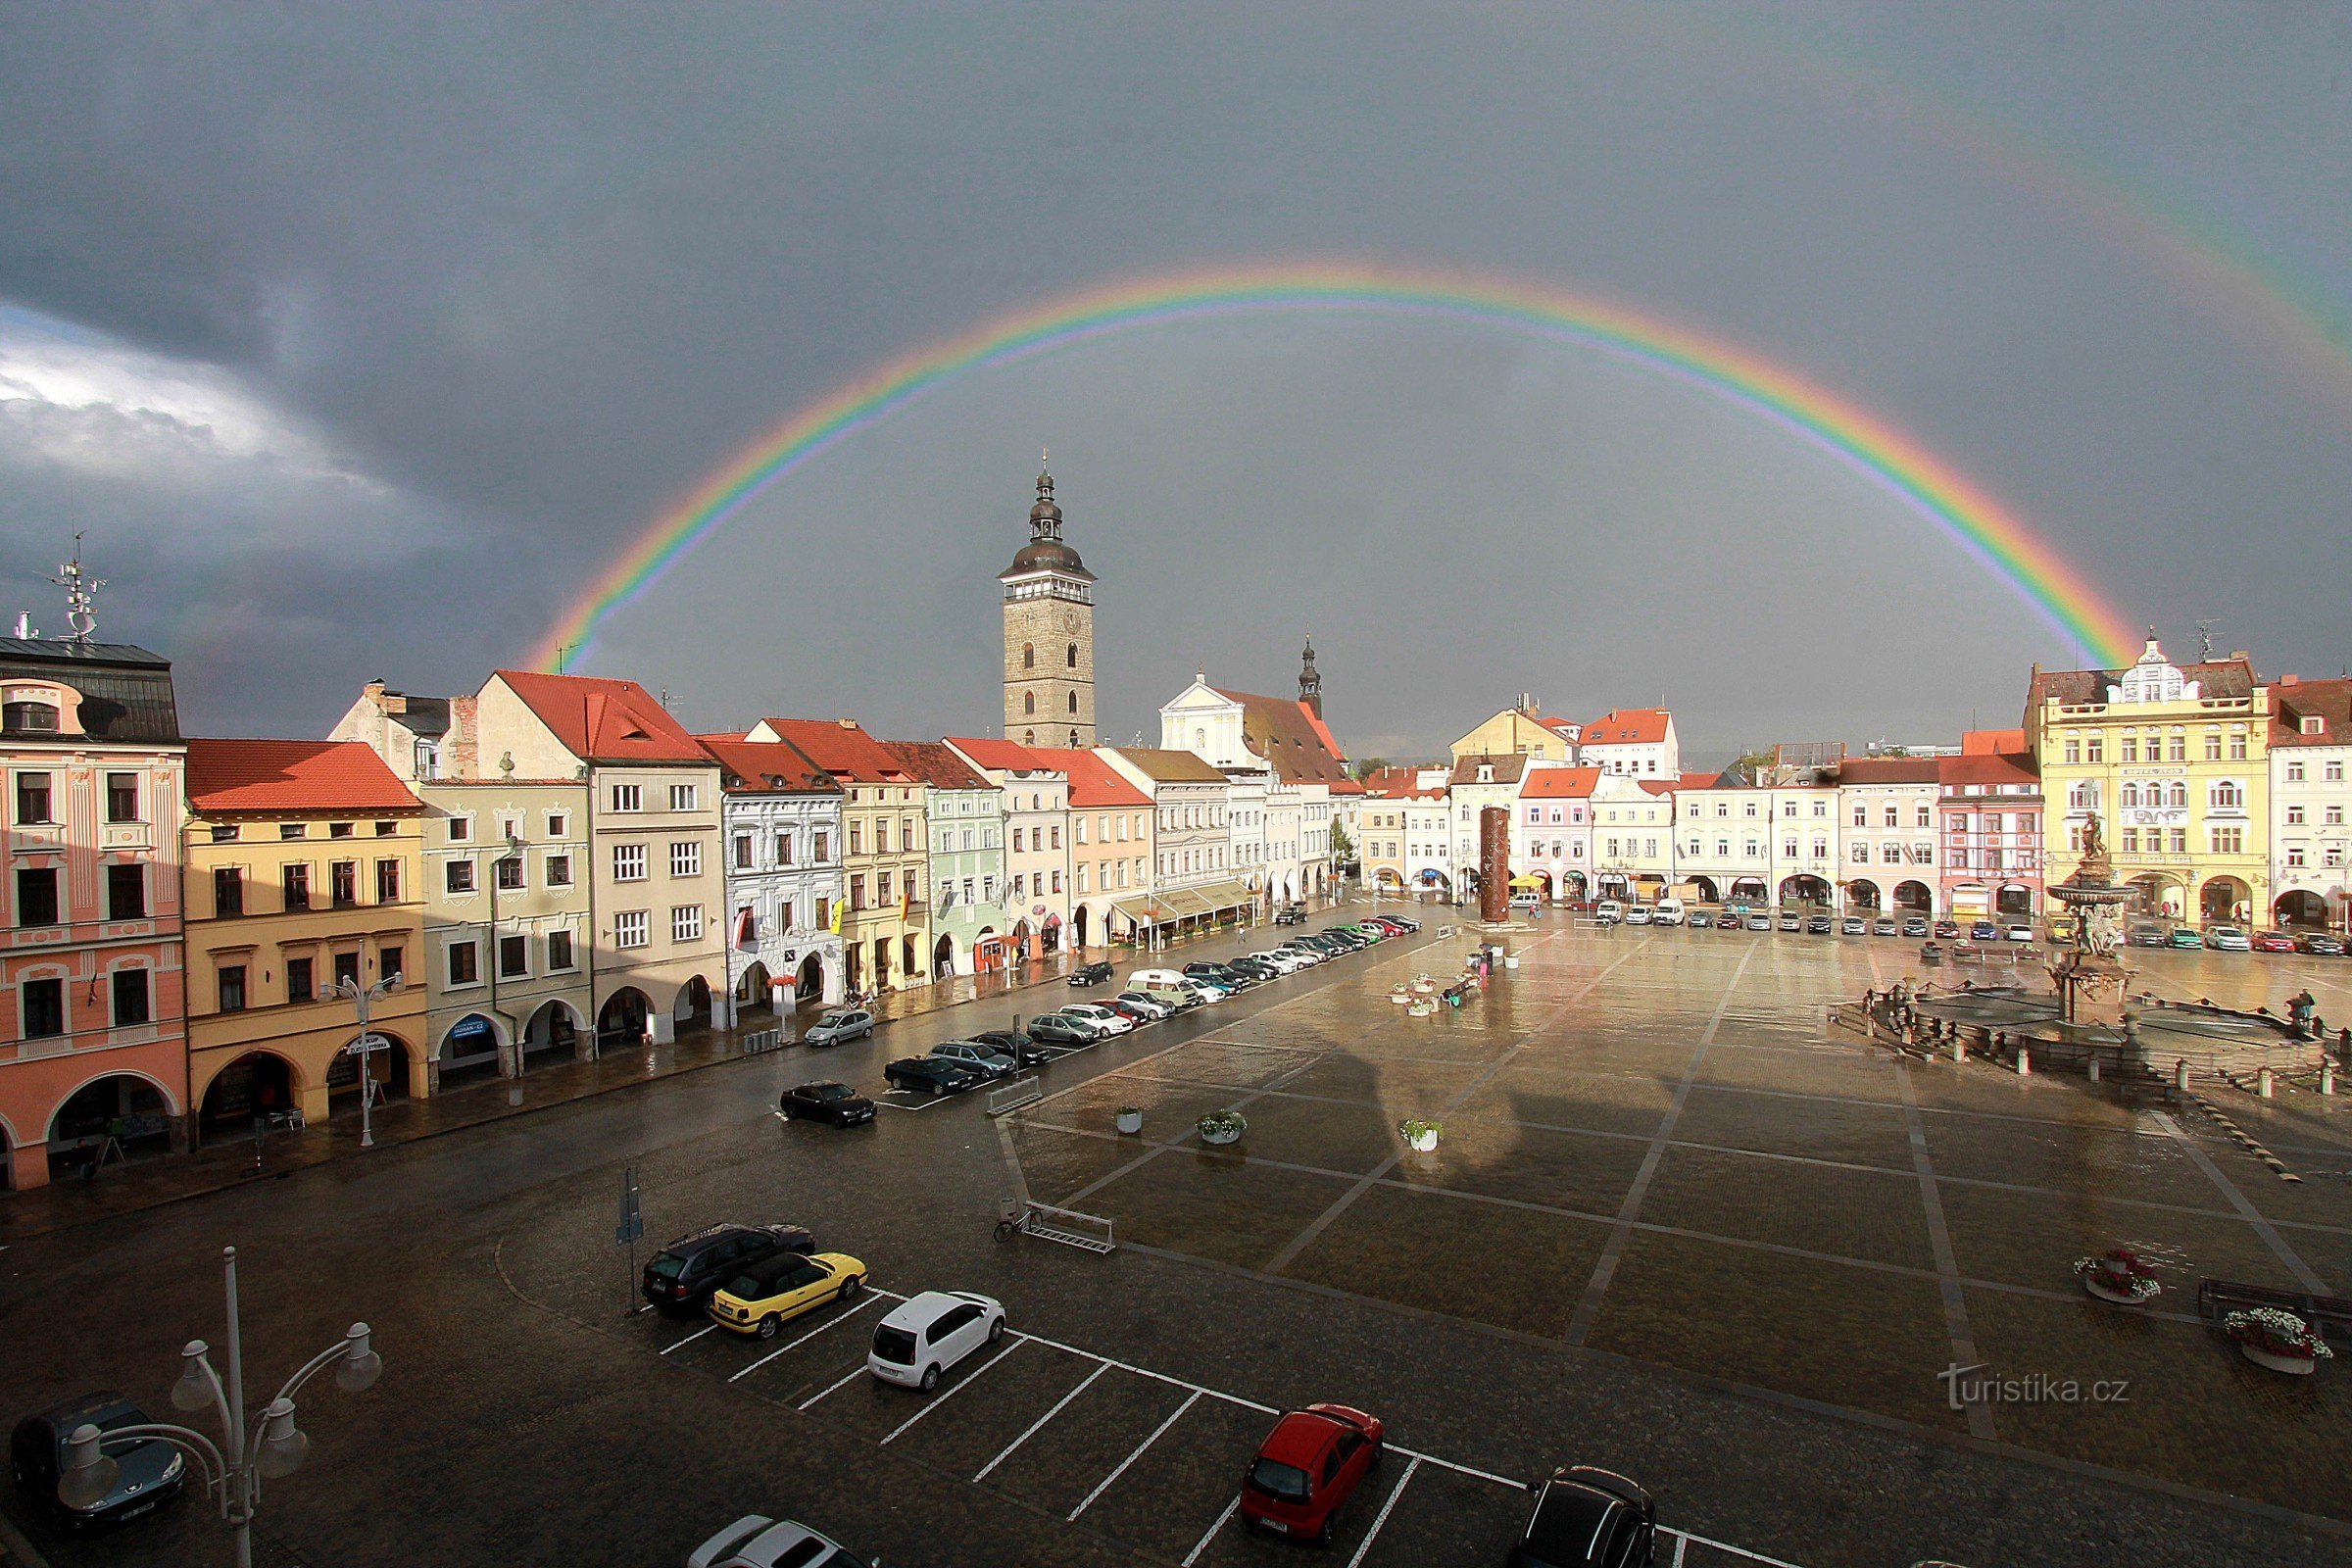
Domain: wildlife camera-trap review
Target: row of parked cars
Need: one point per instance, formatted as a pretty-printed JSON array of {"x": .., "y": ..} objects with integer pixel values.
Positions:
[{"x": 2236, "y": 939}]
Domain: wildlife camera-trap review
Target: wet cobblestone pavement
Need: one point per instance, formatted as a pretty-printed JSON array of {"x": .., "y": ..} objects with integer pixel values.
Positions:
[{"x": 1670, "y": 1228}]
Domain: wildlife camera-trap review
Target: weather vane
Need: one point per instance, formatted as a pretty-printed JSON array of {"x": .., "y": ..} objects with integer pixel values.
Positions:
[{"x": 82, "y": 592}]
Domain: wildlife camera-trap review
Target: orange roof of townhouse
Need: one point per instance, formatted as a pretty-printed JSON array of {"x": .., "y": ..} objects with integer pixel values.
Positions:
[
  {"x": 844, "y": 750},
  {"x": 292, "y": 778},
  {"x": 2295, "y": 702},
  {"x": 601, "y": 720},
  {"x": 1502, "y": 767},
  {"x": 1989, "y": 742},
  {"x": 1286, "y": 733},
  {"x": 1889, "y": 770},
  {"x": 1093, "y": 781},
  {"x": 1004, "y": 757},
  {"x": 765, "y": 767},
  {"x": 1401, "y": 784},
  {"x": 1559, "y": 783},
  {"x": 2000, "y": 768},
  {"x": 936, "y": 764},
  {"x": 1628, "y": 726}
]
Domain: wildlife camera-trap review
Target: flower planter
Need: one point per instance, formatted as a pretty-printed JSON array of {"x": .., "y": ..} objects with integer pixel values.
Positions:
[
  {"x": 1510, "y": 961},
  {"x": 1131, "y": 1121},
  {"x": 1221, "y": 1127},
  {"x": 1420, "y": 1137},
  {"x": 2294, "y": 1366},
  {"x": 2108, "y": 1293},
  {"x": 1400, "y": 998},
  {"x": 1219, "y": 1136}
]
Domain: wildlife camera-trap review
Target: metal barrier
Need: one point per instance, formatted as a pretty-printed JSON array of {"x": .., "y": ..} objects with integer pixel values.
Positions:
[
  {"x": 759, "y": 1040},
  {"x": 1020, "y": 1092},
  {"x": 1050, "y": 1224}
]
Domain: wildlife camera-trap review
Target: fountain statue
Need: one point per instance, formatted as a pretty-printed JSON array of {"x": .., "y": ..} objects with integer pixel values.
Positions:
[{"x": 2091, "y": 981}]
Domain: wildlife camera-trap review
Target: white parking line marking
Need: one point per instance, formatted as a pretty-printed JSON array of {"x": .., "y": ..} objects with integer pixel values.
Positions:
[
  {"x": 1178, "y": 1383},
  {"x": 1737, "y": 1551},
  {"x": 1103, "y": 1485},
  {"x": 1382, "y": 1517},
  {"x": 854, "y": 1307},
  {"x": 1058, "y": 1406},
  {"x": 1681, "y": 1544},
  {"x": 690, "y": 1339},
  {"x": 930, "y": 1102},
  {"x": 853, "y": 1372},
  {"x": 938, "y": 1400},
  {"x": 1419, "y": 1458},
  {"x": 1198, "y": 1546}
]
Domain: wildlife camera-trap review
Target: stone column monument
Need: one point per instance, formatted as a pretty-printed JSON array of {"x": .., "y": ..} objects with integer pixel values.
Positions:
[{"x": 1494, "y": 864}]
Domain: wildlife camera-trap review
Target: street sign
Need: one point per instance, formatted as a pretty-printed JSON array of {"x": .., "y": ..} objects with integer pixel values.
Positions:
[
  {"x": 632, "y": 1222},
  {"x": 365, "y": 1044}
]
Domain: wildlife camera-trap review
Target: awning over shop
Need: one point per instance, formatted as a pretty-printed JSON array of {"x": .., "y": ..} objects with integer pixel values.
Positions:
[
  {"x": 1172, "y": 905},
  {"x": 1524, "y": 881}
]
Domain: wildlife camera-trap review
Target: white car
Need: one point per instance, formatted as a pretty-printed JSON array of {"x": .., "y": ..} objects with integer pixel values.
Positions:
[
  {"x": 1106, "y": 1022},
  {"x": 1287, "y": 963},
  {"x": 755, "y": 1541},
  {"x": 1311, "y": 956},
  {"x": 1608, "y": 911},
  {"x": 1151, "y": 1006},
  {"x": 1669, "y": 912},
  {"x": 2228, "y": 938},
  {"x": 1638, "y": 915},
  {"x": 930, "y": 1333},
  {"x": 2017, "y": 933}
]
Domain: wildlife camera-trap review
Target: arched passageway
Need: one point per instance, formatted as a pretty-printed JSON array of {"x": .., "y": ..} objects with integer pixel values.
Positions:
[
  {"x": 260, "y": 1083},
  {"x": 2301, "y": 909},
  {"x": 622, "y": 1022},
  {"x": 468, "y": 1049},
  {"x": 2224, "y": 900},
  {"x": 1914, "y": 897}
]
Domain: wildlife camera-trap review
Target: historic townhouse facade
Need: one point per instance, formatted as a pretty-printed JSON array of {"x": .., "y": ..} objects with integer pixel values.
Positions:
[
  {"x": 655, "y": 884},
  {"x": 1282, "y": 847},
  {"x": 1723, "y": 833},
  {"x": 1111, "y": 847},
  {"x": 1522, "y": 729},
  {"x": 1478, "y": 781},
  {"x": 91, "y": 957},
  {"x": 1988, "y": 844},
  {"x": 885, "y": 854},
  {"x": 1552, "y": 831},
  {"x": 1038, "y": 859},
  {"x": 2175, "y": 762},
  {"x": 1191, "y": 881},
  {"x": 301, "y": 875},
  {"x": 2311, "y": 803},
  {"x": 1885, "y": 813},
  {"x": 1639, "y": 741},
  {"x": 1633, "y": 836},
  {"x": 974, "y": 923},
  {"x": 1404, "y": 829},
  {"x": 782, "y": 832}
]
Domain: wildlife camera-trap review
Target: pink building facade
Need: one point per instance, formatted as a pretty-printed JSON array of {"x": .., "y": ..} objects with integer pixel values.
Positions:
[
  {"x": 94, "y": 1047},
  {"x": 1990, "y": 850}
]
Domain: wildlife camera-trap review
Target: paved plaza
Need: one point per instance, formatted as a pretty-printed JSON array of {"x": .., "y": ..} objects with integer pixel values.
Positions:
[{"x": 1673, "y": 1226}]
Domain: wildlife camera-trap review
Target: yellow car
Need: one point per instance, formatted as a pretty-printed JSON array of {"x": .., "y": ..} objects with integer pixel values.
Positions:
[{"x": 761, "y": 1298}]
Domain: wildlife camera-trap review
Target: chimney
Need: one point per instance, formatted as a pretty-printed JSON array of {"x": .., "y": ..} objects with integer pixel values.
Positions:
[
  {"x": 2290, "y": 680},
  {"x": 464, "y": 740},
  {"x": 375, "y": 691},
  {"x": 2241, "y": 656}
]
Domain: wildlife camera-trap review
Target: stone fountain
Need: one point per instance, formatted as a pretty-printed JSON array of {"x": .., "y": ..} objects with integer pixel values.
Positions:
[{"x": 2090, "y": 980}]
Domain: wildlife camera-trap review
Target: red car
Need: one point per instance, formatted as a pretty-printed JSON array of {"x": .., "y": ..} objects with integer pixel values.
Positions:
[
  {"x": 2274, "y": 942},
  {"x": 1308, "y": 1466}
]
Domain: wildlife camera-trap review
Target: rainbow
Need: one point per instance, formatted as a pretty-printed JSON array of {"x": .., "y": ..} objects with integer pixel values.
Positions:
[{"x": 1936, "y": 493}]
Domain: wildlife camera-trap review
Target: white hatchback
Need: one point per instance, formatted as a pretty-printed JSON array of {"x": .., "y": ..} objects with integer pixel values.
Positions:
[
  {"x": 1287, "y": 963},
  {"x": 930, "y": 1333},
  {"x": 1106, "y": 1022}
]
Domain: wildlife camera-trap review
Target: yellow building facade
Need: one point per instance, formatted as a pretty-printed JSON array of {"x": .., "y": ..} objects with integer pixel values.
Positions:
[{"x": 1520, "y": 732}]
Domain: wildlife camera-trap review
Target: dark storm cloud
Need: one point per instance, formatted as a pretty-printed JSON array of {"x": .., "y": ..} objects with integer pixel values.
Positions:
[{"x": 398, "y": 320}]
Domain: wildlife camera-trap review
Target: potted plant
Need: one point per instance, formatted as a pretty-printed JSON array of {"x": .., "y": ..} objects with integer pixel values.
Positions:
[
  {"x": 1421, "y": 1135},
  {"x": 2119, "y": 1275},
  {"x": 1221, "y": 1126},
  {"x": 2277, "y": 1339},
  {"x": 1131, "y": 1118}
]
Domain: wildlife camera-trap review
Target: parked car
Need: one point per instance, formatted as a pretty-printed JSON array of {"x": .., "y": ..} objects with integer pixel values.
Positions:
[
  {"x": 1106, "y": 1022},
  {"x": 1818, "y": 925},
  {"x": 1759, "y": 921},
  {"x": 755, "y": 1541},
  {"x": 2227, "y": 939},
  {"x": 1405, "y": 920},
  {"x": 1588, "y": 1518},
  {"x": 1253, "y": 969},
  {"x": 2274, "y": 942},
  {"x": 1090, "y": 975},
  {"x": 930, "y": 1075},
  {"x": 763, "y": 1298},
  {"x": 1527, "y": 901},
  {"x": 681, "y": 1276},
  {"x": 148, "y": 1474},
  {"x": 2188, "y": 936},
  {"x": 826, "y": 1101},
  {"x": 1308, "y": 1466},
  {"x": 2149, "y": 936},
  {"x": 1667, "y": 911},
  {"x": 1608, "y": 911},
  {"x": 1053, "y": 1029},
  {"x": 2017, "y": 931},
  {"x": 1915, "y": 926},
  {"x": 1853, "y": 925},
  {"x": 974, "y": 1056},
  {"x": 1883, "y": 926},
  {"x": 1984, "y": 931},
  {"x": 1639, "y": 914},
  {"x": 2320, "y": 944},
  {"x": 1141, "y": 1007},
  {"x": 840, "y": 1025},
  {"x": 1291, "y": 914},
  {"x": 1792, "y": 921},
  {"x": 1701, "y": 919},
  {"x": 1021, "y": 1047},
  {"x": 927, "y": 1334},
  {"x": 1947, "y": 930},
  {"x": 1307, "y": 951},
  {"x": 1288, "y": 961}
]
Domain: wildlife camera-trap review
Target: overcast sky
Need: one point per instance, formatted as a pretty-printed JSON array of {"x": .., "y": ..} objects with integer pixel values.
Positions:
[{"x": 356, "y": 337}]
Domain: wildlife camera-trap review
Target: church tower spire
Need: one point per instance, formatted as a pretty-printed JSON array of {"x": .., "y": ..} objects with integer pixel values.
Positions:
[
  {"x": 1310, "y": 683},
  {"x": 1049, "y": 634}
]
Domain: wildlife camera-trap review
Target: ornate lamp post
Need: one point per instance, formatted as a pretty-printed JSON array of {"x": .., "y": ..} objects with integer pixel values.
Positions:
[
  {"x": 360, "y": 997},
  {"x": 234, "y": 1468}
]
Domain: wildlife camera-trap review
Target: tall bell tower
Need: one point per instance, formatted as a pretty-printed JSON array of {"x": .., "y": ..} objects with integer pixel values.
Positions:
[{"x": 1048, "y": 635}]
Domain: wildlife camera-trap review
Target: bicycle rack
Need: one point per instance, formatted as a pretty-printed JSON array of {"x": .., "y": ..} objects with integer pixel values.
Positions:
[{"x": 1022, "y": 1091}]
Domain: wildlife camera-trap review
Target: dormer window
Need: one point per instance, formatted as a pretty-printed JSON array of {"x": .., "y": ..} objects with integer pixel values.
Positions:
[
  {"x": 2312, "y": 725},
  {"x": 29, "y": 718}
]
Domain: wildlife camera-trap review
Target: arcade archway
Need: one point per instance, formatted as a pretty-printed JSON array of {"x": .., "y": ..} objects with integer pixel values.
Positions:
[
  {"x": 1914, "y": 897},
  {"x": 260, "y": 1083},
  {"x": 2226, "y": 899},
  {"x": 1806, "y": 888},
  {"x": 1862, "y": 896},
  {"x": 620, "y": 1022},
  {"x": 2301, "y": 909}
]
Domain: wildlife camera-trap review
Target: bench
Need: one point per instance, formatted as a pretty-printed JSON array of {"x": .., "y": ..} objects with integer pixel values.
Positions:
[{"x": 2331, "y": 1315}]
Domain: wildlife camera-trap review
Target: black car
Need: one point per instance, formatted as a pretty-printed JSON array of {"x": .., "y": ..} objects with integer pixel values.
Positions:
[
  {"x": 1291, "y": 914},
  {"x": 681, "y": 1276},
  {"x": 1052, "y": 1029},
  {"x": 148, "y": 1474},
  {"x": 827, "y": 1101},
  {"x": 1588, "y": 1518},
  {"x": 1090, "y": 974},
  {"x": 1819, "y": 925},
  {"x": 2320, "y": 945},
  {"x": 2150, "y": 936},
  {"x": 1224, "y": 975},
  {"x": 1256, "y": 968},
  {"x": 930, "y": 1075},
  {"x": 1020, "y": 1046}
]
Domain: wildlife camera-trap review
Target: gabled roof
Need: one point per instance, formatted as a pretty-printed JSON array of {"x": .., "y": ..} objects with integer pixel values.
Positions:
[
  {"x": 936, "y": 764},
  {"x": 1093, "y": 781},
  {"x": 1401, "y": 784},
  {"x": 126, "y": 691},
  {"x": 1164, "y": 767},
  {"x": 1507, "y": 768},
  {"x": 292, "y": 778},
  {"x": 1989, "y": 742},
  {"x": 1286, "y": 733},
  {"x": 1004, "y": 757},
  {"x": 2225, "y": 678},
  {"x": 602, "y": 720},
  {"x": 2327, "y": 701},
  {"x": 765, "y": 767},
  {"x": 1559, "y": 783},
  {"x": 1628, "y": 726},
  {"x": 1889, "y": 770},
  {"x": 1999, "y": 767},
  {"x": 1558, "y": 724},
  {"x": 844, "y": 750}
]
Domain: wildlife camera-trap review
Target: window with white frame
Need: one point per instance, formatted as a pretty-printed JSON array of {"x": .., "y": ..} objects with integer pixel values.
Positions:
[
  {"x": 628, "y": 863},
  {"x": 628, "y": 797},
  {"x": 686, "y": 857},
  {"x": 681, "y": 796},
  {"x": 686, "y": 923},
  {"x": 631, "y": 928}
]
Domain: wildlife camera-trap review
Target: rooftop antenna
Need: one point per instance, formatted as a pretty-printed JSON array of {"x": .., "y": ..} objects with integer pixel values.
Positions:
[
  {"x": 2204, "y": 640},
  {"x": 564, "y": 653},
  {"x": 82, "y": 591}
]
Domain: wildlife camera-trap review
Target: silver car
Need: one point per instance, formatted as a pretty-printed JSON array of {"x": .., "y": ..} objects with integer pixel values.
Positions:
[
  {"x": 840, "y": 1025},
  {"x": 978, "y": 1056}
]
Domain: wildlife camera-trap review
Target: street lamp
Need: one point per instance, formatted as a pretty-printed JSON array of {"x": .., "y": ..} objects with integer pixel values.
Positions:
[
  {"x": 350, "y": 989},
  {"x": 234, "y": 1468}
]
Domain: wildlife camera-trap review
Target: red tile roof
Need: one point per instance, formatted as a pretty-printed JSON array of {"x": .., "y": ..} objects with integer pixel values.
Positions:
[
  {"x": 1559, "y": 783},
  {"x": 1287, "y": 734},
  {"x": 1093, "y": 781},
  {"x": 936, "y": 764},
  {"x": 2327, "y": 701},
  {"x": 765, "y": 767},
  {"x": 292, "y": 778},
  {"x": 1398, "y": 784},
  {"x": 2004, "y": 767},
  {"x": 1558, "y": 723},
  {"x": 844, "y": 750},
  {"x": 604, "y": 720},
  {"x": 1005, "y": 756},
  {"x": 1627, "y": 726},
  {"x": 1889, "y": 770},
  {"x": 1504, "y": 767},
  {"x": 1988, "y": 742}
]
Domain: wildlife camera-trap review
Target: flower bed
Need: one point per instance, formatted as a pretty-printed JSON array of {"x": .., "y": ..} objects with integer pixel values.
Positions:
[
  {"x": 2277, "y": 1339},
  {"x": 2119, "y": 1275},
  {"x": 1221, "y": 1126}
]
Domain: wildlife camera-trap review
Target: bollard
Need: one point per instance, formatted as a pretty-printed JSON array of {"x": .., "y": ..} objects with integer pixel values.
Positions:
[
  {"x": 2262, "y": 1084},
  {"x": 2327, "y": 1078},
  {"x": 2180, "y": 1074},
  {"x": 2024, "y": 1062},
  {"x": 1959, "y": 1050},
  {"x": 2095, "y": 1069}
]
